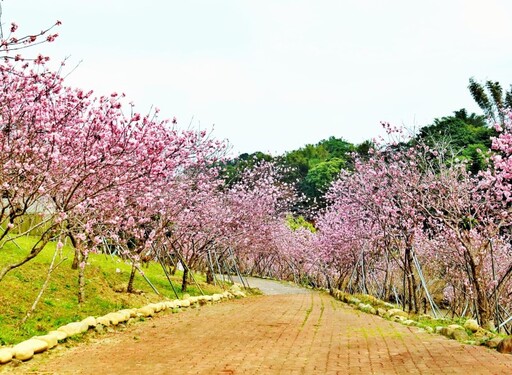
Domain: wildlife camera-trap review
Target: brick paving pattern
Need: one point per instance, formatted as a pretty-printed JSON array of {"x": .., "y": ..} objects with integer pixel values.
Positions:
[{"x": 279, "y": 334}]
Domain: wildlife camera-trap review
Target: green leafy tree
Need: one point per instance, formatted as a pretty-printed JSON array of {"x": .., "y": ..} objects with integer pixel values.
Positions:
[
  {"x": 313, "y": 167},
  {"x": 477, "y": 157},
  {"x": 233, "y": 169},
  {"x": 320, "y": 177},
  {"x": 363, "y": 149},
  {"x": 467, "y": 136}
]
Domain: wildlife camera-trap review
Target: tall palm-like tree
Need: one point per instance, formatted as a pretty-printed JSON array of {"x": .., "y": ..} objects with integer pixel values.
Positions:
[{"x": 491, "y": 98}]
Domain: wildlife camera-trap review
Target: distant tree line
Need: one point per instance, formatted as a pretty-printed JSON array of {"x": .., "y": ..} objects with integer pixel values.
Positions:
[{"x": 312, "y": 168}]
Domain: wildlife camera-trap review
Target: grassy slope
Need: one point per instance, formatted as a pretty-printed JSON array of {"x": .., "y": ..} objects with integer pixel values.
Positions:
[{"x": 58, "y": 304}]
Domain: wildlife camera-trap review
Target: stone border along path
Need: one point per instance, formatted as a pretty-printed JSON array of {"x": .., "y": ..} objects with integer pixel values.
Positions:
[
  {"x": 26, "y": 350},
  {"x": 307, "y": 333}
]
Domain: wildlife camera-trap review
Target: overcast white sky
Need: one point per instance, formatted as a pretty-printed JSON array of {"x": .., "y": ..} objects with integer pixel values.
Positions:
[{"x": 274, "y": 75}]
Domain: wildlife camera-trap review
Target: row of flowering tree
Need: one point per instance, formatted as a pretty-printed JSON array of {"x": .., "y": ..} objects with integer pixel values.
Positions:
[
  {"x": 81, "y": 163},
  {"x": 411, "y": 223},
  {"x": 93, "y": 170}
]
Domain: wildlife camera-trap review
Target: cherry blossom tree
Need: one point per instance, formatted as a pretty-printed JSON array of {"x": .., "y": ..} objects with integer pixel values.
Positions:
[
  {"x": 398, "y": 207},
  {"x": 84, "y": 164},
  {"x": 259, "y": 203},
  {"x": 12, "y": 45}
]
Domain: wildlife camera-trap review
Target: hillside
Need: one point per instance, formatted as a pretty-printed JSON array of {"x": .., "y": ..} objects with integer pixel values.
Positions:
[
  {"x": 106, "y": 276},
  {"x": 313, "y": 167}
]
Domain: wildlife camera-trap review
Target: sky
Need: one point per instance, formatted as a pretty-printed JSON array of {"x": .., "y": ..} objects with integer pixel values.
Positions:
[{"x": 274, "y": 75}]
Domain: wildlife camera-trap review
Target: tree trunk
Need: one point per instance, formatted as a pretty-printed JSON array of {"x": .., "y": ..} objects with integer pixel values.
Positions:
[
  {"x": 173, "y": 270},
  {"x": 328, "y": 281},
  {"x": 411, "y": 280},
  {"x": 81, "y": 279},
  {"x": 209, "y": 276},
  {"x": 184, "y": 280},
  {"x": 385, "y": 290},
  {"x": 482, "y": 302},
  {"x": 76, "y": 258},
  {"x": 404, "y": 284},
  {"x": 129, "y": 287}
]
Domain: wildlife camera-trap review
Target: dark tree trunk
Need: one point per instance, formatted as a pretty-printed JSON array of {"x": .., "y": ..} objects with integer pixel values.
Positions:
[
  {"x": 129, "y": 287},
  {"x": 184, "y": 281},
  {"x": 209, "y": 276},
  {"x": 484, "y": 310},
  {"x": 76, "y": 258},
  {"x": 411, "y": 281},
  {"x": 385, "y": 289}
]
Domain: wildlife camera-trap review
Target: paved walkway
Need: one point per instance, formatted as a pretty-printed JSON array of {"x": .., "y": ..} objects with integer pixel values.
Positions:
[
  {"x": 279, "y": 334},
  {"x": 271, "y": 287}
]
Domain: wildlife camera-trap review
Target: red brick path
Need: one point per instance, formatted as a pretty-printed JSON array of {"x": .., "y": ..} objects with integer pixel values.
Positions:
[{"x": 284, "y": 334}]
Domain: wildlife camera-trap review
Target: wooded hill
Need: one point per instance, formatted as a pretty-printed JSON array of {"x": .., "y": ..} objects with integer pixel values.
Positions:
[{"x": 313, "y": 167}]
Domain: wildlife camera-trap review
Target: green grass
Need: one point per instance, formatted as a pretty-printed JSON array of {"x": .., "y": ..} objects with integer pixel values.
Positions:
[
  {"x": 59, "y": 305},
  {"x": 423, "y": 321}
]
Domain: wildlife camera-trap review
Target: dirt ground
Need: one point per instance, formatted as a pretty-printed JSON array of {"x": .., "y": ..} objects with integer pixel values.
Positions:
[{"x": 307, "y": 333}]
